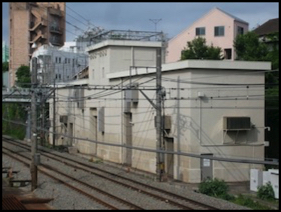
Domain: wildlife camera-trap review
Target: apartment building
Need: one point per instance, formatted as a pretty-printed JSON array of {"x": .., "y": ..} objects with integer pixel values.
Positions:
[
  {"x": 217, "y": 27},
  {"x": 33, "y": 24},
  {"x": 211, "y": 109},
  {"x": 59, "y": 64}
]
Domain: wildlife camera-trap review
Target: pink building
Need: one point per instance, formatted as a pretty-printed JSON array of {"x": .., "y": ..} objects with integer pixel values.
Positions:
[{"x": 217, "y": 27}]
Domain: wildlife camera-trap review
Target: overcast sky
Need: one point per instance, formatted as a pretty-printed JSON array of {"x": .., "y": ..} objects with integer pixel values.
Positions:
[{"x": 175, "y": 17}]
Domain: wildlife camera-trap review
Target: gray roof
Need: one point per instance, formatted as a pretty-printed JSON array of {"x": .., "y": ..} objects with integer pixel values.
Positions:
[
  {"x": 268, "y": 27},
  {"x": 232, "y": 16}
]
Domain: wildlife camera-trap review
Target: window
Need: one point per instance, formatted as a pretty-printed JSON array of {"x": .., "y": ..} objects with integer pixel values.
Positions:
[
  {"x": 240, "y": 30},
  {"x": 200, "y": 31},
  {"x": 219, "y": 31}
]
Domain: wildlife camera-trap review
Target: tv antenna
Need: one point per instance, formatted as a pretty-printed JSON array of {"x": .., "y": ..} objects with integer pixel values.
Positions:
[{"x": 155, "y": 21}]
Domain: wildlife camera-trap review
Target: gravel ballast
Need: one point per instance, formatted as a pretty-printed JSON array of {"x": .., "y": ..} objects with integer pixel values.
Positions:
[{"x": 66, "y": 198}]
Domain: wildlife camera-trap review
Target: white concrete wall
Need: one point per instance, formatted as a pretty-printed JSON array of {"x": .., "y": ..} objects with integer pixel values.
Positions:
[{"x": 201, "y": 121}]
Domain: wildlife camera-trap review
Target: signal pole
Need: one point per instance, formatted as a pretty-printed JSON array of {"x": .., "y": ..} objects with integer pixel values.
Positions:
[{"x": 33, "y": 165}]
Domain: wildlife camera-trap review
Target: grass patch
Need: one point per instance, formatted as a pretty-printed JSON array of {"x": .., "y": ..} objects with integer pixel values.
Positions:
[
  {"x": 250, "y": 203},
  {"x": 95, "y": 160}
]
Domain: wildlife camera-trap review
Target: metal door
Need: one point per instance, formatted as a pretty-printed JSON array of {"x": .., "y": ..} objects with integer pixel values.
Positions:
[
  {"x": 71, "y": 134},
  {"x": 169, "y": 158},
  {"x": 94, "y": 129},
  {"x": 206, "y": 167}
]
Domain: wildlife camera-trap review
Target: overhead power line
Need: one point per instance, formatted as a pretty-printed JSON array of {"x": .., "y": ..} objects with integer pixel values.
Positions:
[{"x": 223, "y": 159}]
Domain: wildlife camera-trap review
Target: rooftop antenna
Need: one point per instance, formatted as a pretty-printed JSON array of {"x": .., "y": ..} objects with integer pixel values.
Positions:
[{"x": 155, "y": 21}]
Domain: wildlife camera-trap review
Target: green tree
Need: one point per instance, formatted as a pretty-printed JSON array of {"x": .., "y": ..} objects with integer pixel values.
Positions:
[
  {"x": 197, "y": 49},
  {"x": 273, "y": 43},
  {"x": 13, "y": 112},
  {"x": 249, "y": 48},
  {"x": 5, "y": 66},
  {"x": 23, "y": 77}
]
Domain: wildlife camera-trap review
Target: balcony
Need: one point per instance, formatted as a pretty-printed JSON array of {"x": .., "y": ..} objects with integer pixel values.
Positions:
[
  {"x": 54, "y": 29},
  {"x": 56, "y": 41},
  {"x": 55, "y": 12}
]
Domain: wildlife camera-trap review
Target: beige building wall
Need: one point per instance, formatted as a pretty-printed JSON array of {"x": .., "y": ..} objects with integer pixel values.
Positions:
[
  {"x": 19, "y": 37},
  {"x": 197, "y": 118}
]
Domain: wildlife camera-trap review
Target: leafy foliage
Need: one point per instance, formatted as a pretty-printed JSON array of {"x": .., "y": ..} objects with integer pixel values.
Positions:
[
  {"x": 23, "y": 77},
  {"x": 16, "y": 113},
  {"x": 5, "y": 66},
  {"x": 216, "y": 188},
  {"x": 219, "y": 189},
  {"x": 266, "y": 192},
  {"x": 249, "y": 48},
  {"x": 273, "y": 54},
  {"x": 197, "y": 49}
]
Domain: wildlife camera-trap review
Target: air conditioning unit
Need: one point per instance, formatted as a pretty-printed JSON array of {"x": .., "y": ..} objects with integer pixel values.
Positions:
[{"x": 236, "y": 123}]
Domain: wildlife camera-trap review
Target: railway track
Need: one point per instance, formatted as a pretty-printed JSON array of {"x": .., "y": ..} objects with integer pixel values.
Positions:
[
  {"x": 113, "y": 202},
  {"x": 179, "y": 202}
]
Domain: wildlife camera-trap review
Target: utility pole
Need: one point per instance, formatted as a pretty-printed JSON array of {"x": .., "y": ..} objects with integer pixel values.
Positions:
[
  {"x": 159, "y": 118},
  {"x": 28, "y": 128},
  {"x": 178, "y": 128},
  {"x": 33, "y": 165},
  {"x": 54, "y": 114}
]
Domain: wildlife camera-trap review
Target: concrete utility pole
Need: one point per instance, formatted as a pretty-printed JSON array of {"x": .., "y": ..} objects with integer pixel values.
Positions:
[
  {"x": 33, "y": 166},
  {"x": 159, "y": 119},
  {"x": 28, "y": 128},
  {"x": 54, "y": 114}
]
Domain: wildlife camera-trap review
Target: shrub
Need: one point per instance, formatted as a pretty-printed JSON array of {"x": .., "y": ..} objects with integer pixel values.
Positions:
[
  {"x": 266, "y": 192},
  {"x": 216, "y": 188}
]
